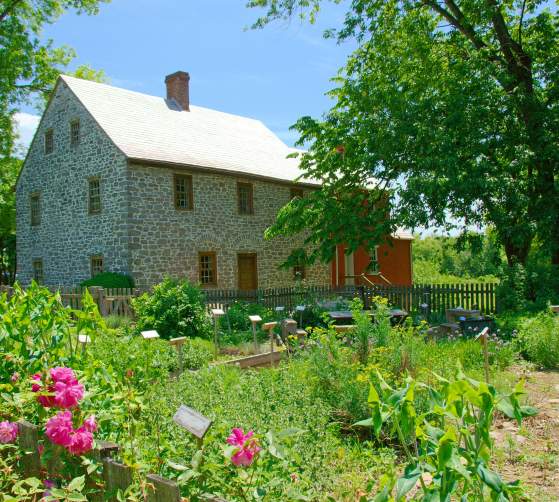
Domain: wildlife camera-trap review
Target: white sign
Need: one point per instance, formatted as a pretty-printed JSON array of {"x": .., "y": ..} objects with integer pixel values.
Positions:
[
  {"x": 280, "y": 309},
  {"x": 300, "y": 308},
  {"x": 192, "y": 421},
  {"x": 255, "y": 318},
  {"x": 150, "y": 334},
  {"x": 217, "y": 312},
  {"x": 84, "y": 339}
]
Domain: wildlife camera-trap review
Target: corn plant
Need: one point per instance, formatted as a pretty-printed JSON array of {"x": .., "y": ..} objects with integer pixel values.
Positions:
[{"x": 448, "y": 447}]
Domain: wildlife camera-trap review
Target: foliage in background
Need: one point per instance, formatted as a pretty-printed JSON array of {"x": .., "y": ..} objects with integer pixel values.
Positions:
[
  {"x": 109, "y": 280},
  {"x": 538, "y": 340},
  {"x": 449, "y": 109},
  {"x": 174, "y": 308},
  {"x": 444, "y": 259},
  {"x": 9, "y": 169},
  {"x": 238, "y": 312}
]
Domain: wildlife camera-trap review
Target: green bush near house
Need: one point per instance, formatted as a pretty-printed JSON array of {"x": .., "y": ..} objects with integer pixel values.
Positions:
[
  {"x": 174, "y": 308},
  {"x": 238, "y": 312},
  {"x": 109, "y": 280}
]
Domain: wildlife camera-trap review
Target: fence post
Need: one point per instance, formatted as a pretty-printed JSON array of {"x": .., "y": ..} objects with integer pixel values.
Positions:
[
  {"x": 99, "y": 294},
  {"x": 162, "y": 490},
  {"x": 29, "y": 442},
  {"x": 116, "y": 476}
]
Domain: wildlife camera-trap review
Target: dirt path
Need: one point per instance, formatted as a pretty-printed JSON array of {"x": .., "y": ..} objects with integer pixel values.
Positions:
[{"x": 531, "y": 453}]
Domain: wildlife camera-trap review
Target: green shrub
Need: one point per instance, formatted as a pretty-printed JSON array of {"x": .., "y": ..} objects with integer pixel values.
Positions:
[
  {"x": 538, "y": 340},
  {"x": 197, "y": 353},
  {"x": 238, "y": 312},
  {"x": 109, "y": 280},
  {"x": 117, "y": 321},
  {"x": 175, "y": 308}
]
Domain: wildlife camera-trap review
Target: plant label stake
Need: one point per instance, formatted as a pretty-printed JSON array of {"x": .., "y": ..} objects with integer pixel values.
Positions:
[
  {"x": 300, "y": 309},
  {"x": 148, "y": 335},
  {"x": 269, "y": 327},
  {"x": 216, "y": 313},
  {"x": 193, "y": 421},
  {"x": 178, "y": 343},
  {"x": 483, "y": 335},
  {"x": 255, "y": 319}
]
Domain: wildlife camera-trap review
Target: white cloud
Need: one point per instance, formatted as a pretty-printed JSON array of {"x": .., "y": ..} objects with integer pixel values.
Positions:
[{"x": 26, "y": 125}]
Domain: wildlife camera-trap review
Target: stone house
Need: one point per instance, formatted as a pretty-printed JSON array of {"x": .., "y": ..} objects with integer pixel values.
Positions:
[{"x": 116, "y": 180}]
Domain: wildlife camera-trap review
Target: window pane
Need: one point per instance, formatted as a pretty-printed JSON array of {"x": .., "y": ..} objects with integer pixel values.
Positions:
[
  {"x": 296, "y": 192},
  {"x": 96, "y": 265},
  {"x": 75, "y": 132},
  {"x": 49, "y": 141},
  {"x": 244, "y": 191},
  {"x": 207, "y": 267},
  {"x": 94, "y": 196},
  {"x": 35, "y": 203},
  {"x": 38, "y": 271},
  {"x": 183, "y": 192}
]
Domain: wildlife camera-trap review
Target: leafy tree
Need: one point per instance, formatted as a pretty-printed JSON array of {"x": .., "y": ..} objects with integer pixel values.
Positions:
[
  {"x": 29, "y": 69},
  {"x": 451, "y": 108},
  {"x": 29, "y": 66}
]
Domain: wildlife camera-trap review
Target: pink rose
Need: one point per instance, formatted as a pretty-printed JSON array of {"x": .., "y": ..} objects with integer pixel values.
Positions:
[
  {"x": 81, "y": 442},
  {"x": 46, "y": 401},
  {"x": 67, "y": 395},
  {"x": 89, "y": 424},
  {"x": 15, "y": 377},
  {"x": 66, "y": 375},
  {"x": 8, "y": 432},
  {"x": 59, "y": 428}
]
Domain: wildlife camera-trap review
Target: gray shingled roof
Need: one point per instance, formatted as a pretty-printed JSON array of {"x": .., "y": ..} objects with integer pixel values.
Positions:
[{"x": 151, "y": 128}]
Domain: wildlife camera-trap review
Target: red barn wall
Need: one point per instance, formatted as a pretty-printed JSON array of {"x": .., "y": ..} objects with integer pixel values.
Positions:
[{"x": 394, "y": 262}]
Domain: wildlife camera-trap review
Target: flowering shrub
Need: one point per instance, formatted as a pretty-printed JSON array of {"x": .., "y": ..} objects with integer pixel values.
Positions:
[
  {"x": 8, "y": 432},
  {"x": 60, "y": 389}
]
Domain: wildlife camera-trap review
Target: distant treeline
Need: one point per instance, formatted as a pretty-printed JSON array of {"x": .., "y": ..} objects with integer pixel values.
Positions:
[{"x": 442, "y": 259}]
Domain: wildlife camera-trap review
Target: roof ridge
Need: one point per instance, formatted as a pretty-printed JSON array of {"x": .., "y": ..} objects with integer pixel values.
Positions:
[{"x": 70, "y": 78}]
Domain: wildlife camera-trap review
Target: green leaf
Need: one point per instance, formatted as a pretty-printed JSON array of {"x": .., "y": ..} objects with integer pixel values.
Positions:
[
  {"x": 76, "y": 484},
  {"x": 406, "y": 482},
  {"x": 490, "y": 478}
]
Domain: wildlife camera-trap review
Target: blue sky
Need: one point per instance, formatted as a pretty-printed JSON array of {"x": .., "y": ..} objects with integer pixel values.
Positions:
[{"x": 276, "y": 75}]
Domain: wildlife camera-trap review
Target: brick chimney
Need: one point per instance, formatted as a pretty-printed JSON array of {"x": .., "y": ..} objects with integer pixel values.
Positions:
[{"x": 177, "y": 89}]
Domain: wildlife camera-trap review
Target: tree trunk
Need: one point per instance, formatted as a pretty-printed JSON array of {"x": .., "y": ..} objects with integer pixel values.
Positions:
[{"x": 516, "y": 253}]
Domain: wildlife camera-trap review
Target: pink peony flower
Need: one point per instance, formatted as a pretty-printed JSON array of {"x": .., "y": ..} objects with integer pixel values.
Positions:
[
  {"x": 59, "y": 428},
  {"x": 90, "y": 424},
  {"x": 247, "y": 447},
  {"x": 15, "y": 377},
  {"x": 67, "y": 395},
  {"x": 66, "y": 375},
  {"x": 81, "y": 442},
  {"x": 8, "y": 432},
  {"x": 238, "y": 437}
]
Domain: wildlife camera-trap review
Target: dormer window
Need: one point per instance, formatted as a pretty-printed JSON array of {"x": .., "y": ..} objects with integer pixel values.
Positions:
[
  {"x": 75, "y": 132},
  {"x": 49, "y": 141}
]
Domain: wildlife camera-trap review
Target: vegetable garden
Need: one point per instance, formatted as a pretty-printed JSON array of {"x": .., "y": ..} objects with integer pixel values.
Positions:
[{"x": 376, "y": 413}]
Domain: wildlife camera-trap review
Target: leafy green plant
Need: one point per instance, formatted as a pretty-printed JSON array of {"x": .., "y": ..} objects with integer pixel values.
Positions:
[
  {"x": 538, "y": 340},
  {"x": 238, "y": 312},
  {"x": 448, "y": 447},
  {"x": 174, "y": 308},
  {"x": 109, "y": 280}
]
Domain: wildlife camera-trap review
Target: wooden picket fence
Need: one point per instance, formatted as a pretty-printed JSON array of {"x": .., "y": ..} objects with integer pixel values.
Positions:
[
  {"x": 116, "y": 476},
  {"x": 431, "y": 299}
]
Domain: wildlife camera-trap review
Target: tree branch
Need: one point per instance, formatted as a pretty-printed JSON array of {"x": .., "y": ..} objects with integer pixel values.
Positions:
[
  {"x": 521, "y": 20},
  {"x": 8, "y": 9}
]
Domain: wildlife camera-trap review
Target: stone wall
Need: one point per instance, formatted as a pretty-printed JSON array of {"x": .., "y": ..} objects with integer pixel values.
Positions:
[
  {"x": 138, "y": 231},
  {"x": 68, "y": 235},
  {"x": 165, "y": 241}
]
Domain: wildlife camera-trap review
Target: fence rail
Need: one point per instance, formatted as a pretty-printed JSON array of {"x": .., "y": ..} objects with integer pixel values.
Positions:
[{"x": 432, "y": 299}]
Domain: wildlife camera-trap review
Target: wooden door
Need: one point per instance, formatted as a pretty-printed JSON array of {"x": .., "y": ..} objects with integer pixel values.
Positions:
[{"x": 248, "y": 279}]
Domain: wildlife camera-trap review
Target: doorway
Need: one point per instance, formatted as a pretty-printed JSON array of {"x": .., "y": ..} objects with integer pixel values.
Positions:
[{"x": 247, "y": 270}]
